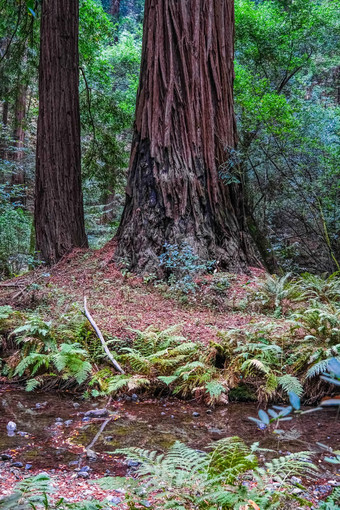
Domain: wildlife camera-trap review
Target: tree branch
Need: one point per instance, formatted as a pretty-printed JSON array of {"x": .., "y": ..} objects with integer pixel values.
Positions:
[{"x": 101, "y": 338}]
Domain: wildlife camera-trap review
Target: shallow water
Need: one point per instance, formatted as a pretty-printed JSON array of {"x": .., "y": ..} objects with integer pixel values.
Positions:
[{"x": 45, "y": 443}]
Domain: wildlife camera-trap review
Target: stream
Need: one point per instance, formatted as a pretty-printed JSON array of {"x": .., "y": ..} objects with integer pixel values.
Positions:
[{"x": 54, "y": 432}]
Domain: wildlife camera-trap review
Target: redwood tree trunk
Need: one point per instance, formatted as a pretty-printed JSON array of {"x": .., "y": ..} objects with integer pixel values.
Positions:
[
  {"x": 184, "y": 131},
  {"x": 59, "y": 216}
]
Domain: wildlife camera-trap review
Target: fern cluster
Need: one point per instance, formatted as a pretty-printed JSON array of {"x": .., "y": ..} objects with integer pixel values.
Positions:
[
  {"x": 41, "y": 356},
  {"x": 185, "y": 478},
  {"x": 161, "y": 359}
]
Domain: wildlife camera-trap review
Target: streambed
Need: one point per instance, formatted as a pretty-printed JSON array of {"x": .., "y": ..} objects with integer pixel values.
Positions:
[{"x": 54, "y": 433}]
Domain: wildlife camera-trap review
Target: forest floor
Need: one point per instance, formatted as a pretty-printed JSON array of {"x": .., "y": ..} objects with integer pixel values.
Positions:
[{"x": 122, "y": 303}]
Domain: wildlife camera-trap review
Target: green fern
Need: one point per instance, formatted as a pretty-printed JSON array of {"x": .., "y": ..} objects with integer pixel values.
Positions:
[
  {"x": 290, "y": 383},
  {"x": 184, "y": 478}
]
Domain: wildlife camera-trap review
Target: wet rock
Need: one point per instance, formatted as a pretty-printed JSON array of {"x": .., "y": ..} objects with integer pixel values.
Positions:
[
  {"x": 163, "y": 413},
  {"x": 172, "y": 416},
  {"x": 59, "y": 420},
  {"x": 17, "y": 464},
  {"x": 6, "y": 456},
  {"x": 41, "y": 405},
  {"x": 209, "y": 411},
  {"x": 91, "y": 455},
  {"x": 134, "y": 397},
  {"x": 97, "y": 413},
  {"x": 28, "y": 466},
  {"x": 76, "y": 405},
  {"x": 68, "y": 423},
  {"x": 11, "y": 428},
  {"x": 114, "y": 500},
  {"x": 86, "y": 418},
  {"x": 295, "y": 480},
  {"x": 132, "y": 463},
  {"x": 195, "y": 414},
  {"x": 86, "y": 469},
  {"x": 108, "y": 438},
  {"x": 83, "y": 474}
]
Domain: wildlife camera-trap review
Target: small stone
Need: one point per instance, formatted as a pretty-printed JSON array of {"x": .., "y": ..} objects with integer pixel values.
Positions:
[
  {"x": 132, "y": 463},
  {"x": 108, "y": 438},
  {"x": 295, "y": 480},
  {"x": 209, "y": 411},
  {"x": 11, "y": 426},
  {"x": 134, "y": 397},
  {"x": 6, "y": 456},
  {"x": 28, "y": 466},
  {"x": 163, "y": 413},
  {"x": 17, "y": 464},
  {"x": 83, "y": 474},
  {"x": 59, "y": 420},
  {"x": 86, "y": 418},
  {"x": 68, "y": 423},
  {"x": 91, "y": 455},
  {"x": 96, "y": 413},
  {"x": 22, "y": 433},
  {"x": 114, "y": 500},
  {"x": 76, "y": 405},
  {"x": 85, "y": 468},
  {"x": 195, "y": 414},
  {"x": 172, "y": 416},
  {"x": 73, "y": 463}
]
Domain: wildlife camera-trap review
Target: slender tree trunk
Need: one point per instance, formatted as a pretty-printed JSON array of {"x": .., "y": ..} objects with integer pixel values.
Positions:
[
  {"x": 18, "y": 176},
  {"x": 184, "y": 131},
  {"x": 59, "y": 216},
  {"x": 115, "y": 8}
]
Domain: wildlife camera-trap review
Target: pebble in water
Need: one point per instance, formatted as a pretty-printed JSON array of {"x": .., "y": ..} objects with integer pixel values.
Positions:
[{"x": 11, "y": 428}]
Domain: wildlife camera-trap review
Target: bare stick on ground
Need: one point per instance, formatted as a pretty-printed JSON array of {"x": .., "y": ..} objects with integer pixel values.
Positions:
[{"x": 101, "y": 338}]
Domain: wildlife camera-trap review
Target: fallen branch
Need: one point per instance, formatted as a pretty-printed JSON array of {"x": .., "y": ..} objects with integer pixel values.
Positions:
[{"x": 101, "y": 338}]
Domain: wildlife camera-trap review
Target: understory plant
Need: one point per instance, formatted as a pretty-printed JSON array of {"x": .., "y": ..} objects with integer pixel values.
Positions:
[
  {"x": 160, "y": 359},
  {"x": 41, "y": 356},
  {"x": 35, "y": 493},
  {"x": 182, "y": 265},
  {"x": 185, "y": 478}
]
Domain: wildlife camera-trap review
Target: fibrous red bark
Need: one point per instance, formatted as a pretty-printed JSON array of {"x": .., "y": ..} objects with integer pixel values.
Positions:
[
  {"x": 184, "y": 131},
  {"x": 59, "y": 216}
]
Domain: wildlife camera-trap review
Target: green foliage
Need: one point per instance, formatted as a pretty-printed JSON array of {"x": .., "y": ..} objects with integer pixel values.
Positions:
[
  {"x": 162, "y": 358},
  {"x": 42, "y": 356},
  {"x": 15, "y": 234},
  {"x": 192, "y": 479},
  {"x": 35, "y": 493},
  {"x": 288, "y": 124},
  {"x": 183, "y": 265}
]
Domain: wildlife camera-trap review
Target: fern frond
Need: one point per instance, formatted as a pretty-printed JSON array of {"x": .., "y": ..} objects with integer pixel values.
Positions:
[{"x": 290, "y": 383}]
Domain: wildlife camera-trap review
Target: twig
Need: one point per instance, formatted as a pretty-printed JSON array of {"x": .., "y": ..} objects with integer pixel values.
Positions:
[{"x": 101, "y": 338}]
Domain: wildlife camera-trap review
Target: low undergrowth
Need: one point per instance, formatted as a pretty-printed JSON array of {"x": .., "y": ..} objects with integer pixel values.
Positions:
[{"x": 294, "y": 339}]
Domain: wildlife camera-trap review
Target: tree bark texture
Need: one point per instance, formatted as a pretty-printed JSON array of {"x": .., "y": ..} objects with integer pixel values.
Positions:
[
  {"x": 18, "y": 176},
  {"x": 59, "y": 215},
  {"x": 184, "y": 130},
  {"x": 115, "y": 8}
]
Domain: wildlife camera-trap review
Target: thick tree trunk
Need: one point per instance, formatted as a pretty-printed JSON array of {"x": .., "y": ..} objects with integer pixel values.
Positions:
[
  {"x": 59, "y": 216},
  {"x": 184, "y": 131}
]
